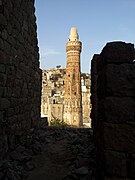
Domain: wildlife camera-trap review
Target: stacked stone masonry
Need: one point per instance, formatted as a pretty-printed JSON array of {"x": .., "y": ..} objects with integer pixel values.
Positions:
[
  {"x": 20, "y": 76},
  {"x": 113, "y": 111}
]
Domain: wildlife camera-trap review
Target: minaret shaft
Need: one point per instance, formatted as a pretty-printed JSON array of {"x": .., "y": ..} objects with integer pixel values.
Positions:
[{"x": 73, "y": 95}]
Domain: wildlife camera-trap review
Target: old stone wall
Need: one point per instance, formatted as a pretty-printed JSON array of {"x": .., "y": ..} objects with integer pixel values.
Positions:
[
  {"x": 20, "y": 76},
  {"x": 113, "y": 111}
]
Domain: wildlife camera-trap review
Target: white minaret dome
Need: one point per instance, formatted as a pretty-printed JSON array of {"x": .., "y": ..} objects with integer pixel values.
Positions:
[{"x": 73, "y": 34}]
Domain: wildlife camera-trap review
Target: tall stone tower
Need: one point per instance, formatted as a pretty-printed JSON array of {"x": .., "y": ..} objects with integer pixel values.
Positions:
[{"x": 73, "y": 95}]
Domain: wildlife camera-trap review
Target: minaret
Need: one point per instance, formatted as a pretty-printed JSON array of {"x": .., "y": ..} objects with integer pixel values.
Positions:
[{"x": 73, "y": 94}]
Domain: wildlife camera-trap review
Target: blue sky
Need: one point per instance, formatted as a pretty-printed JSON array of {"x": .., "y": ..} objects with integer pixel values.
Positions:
[{"x": 97, "y": 21}]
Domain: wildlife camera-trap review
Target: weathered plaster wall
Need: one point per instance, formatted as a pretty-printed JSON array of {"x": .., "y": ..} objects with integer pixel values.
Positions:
[
  {"x": 20, "y": 76},
  {"x": 113, "y": 111}
]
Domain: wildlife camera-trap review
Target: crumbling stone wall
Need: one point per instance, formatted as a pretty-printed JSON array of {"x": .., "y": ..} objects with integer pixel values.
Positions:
[
  {"x": 113, "y": 111},
  {"x": 20, "y": 76}
]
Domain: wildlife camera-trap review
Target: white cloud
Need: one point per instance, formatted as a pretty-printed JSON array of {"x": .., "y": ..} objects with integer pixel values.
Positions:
[{"x": 48, "y": 52}]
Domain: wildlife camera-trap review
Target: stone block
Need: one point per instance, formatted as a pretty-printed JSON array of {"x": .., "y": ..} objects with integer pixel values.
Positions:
[
  {"x": 3, "y": 57},
  {"x": 10, "y": 70},
  {"x": 3, "y": 146},
  {"x": 11, "y": 141},
  {"x": 10, "y": 112},
  {"x": 119, "y": 137},
  {"x": 132, "y": 169},
  {"x": 2, "y": 68},
  {"x": 3, "y": 79},
  {"x": 9, "y": 29},
  {"x": 4, "y": 34},
  {"x": 12, "y": 120},
  {"x": 3, "y": 20},
  {"x": 1, "y": 117},
  {"x": 115, "y": 163},
  {"x": 4, "y": 103},
  {"x": 14, "y": 102},
  {"x": 117, "y": 109},
  {"x": 117, "y": 80},
  {"x": 1, "y": 47},
  {"x": 118, "y": 52},
  {"x": 10, "y": 81},
  {"x": 8, "y": 92},
  {"x": 1, "y": 91},
  {"x": 16, "y": 92},
  {"x": 16, "y": 110},
  {"x": 7, "y": 46}
]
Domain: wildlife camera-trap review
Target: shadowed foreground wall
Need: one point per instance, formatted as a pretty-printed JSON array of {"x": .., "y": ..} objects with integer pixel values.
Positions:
[
  {"x": 20, "y": 76},
  {"x": 113, "y": 111}
]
